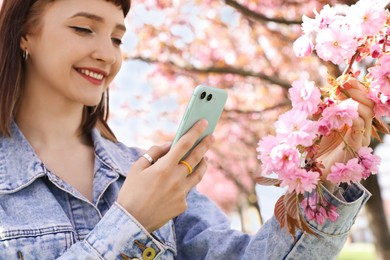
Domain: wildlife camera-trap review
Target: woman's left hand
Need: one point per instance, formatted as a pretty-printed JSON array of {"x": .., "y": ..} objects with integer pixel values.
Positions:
[{"x": 332, "y": 148}]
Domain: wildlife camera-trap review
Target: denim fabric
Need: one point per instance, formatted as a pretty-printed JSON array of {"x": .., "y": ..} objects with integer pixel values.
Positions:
[{"x": 42, "y": 217}]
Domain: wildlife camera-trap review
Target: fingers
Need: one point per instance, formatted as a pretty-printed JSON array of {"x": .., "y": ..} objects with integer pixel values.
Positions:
[
  {"x": 356, "y": 91},
  {"x": 167, "y": 167},
  {"x": 187, "y": 141},
  {"x": 360, "y": 95},
  {"x": 355, "y": 135},
  {"x": 361, "y": 128},
  {"x": 360, "y": 132},
  {"x": 155, "y": 153},
  {"x": 185, "y": 144},
  {"x": 194, "y": 178},
  {"x": 367, "y": 115},
  {"x": 196, "y": 154}
]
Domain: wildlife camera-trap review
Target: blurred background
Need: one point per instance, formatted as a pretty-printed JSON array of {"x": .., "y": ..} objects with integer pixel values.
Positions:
[{"x": 245, "y": 47}]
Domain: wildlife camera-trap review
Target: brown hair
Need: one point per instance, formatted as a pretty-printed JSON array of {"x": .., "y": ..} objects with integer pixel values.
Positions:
[{"x": 16, "y": 17}]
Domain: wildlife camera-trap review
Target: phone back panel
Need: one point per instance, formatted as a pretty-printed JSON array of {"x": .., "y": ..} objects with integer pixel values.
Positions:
[{"x": 200, "y": 107}]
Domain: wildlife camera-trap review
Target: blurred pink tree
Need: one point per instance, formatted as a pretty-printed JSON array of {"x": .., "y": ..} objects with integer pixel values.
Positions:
[{"x": 231, "y": 45}]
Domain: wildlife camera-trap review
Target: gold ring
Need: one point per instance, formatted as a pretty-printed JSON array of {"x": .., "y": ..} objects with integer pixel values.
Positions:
[
  {"x": 361, "y": 131},
  {"x": 148, "y": 157},
  {"x": 188, "y": 166}
]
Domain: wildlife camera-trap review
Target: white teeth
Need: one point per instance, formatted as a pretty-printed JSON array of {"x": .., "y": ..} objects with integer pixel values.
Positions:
[{"x": 91, "y": 74}]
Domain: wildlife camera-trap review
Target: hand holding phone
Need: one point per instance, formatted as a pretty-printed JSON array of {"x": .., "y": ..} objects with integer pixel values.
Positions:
[{"x": 206, "y": 103}]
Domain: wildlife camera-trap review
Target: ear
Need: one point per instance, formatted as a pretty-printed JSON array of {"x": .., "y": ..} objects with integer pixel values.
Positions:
[{"x": 24, "y": 42}]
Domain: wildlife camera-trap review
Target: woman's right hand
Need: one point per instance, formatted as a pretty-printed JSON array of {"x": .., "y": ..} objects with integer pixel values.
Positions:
[{"x": 154, "y": 194}]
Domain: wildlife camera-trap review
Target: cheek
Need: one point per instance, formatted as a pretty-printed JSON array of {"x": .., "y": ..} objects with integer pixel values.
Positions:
[{"x": 115, "y": 68}]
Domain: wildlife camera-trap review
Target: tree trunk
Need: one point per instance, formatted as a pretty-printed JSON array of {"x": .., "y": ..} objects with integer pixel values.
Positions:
[
  {"x": 377, "y": 219},
  {"x": 376, "y": 215}
]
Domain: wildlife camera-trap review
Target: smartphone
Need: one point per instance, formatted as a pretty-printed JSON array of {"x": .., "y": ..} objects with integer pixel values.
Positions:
[{"x": 206, "y": 103}]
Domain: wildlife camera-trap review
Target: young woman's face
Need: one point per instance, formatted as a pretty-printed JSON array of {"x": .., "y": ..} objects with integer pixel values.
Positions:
[{"x": 76, "y": 53}]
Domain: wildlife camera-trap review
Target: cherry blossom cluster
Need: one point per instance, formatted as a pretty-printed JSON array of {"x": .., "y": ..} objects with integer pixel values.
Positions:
[
  {"x": 342, "y": 36},
  {"x": 349, "y": 34},
  {"x": 291, "y": 152}
]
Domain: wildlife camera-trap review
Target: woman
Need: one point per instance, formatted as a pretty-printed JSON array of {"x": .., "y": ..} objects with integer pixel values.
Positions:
[{"x": 69, "y": 190}]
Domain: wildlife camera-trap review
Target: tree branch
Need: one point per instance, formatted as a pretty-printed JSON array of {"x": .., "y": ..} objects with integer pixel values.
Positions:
[
  {"x": 251, "y": 112},
  {"x": 219, "y": 70},
  {"x": 257, "y": 16}
]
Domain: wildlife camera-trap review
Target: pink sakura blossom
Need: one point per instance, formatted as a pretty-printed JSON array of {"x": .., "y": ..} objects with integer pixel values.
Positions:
[
  {"x": 382, "y": 102},
  {"x": 327, "y": 102},
  {"x": 380, "y": 75},
  {"x": 324, "y": 127},
  {"x": 326, "y": 17},
  {"x": 336, "y": 43},
  {"x": 283, "y": 158},
  {"x": 294, "y": 128},
  {"x": 321, "y": 21},
  {"x": 366, "y": 18},
  {"x": 352, "y": 171},
  {"x": 338, "y": 115},
  {"x": 299, "y": 180},
  {"x": 318, "y": 214},
  {"x": 265, "y": 146},
  {"x": 303, "y": 46},
  {"x": 319, "y": 210},
  {"x": 375, "y": 50},
  {"x": 369, "y": 161},
  {"x": 309, "y": 25},
  {"x": 305, "y": 96},
  {"x": 331, "y": 211},
  {"x": 380, "y": 86}
]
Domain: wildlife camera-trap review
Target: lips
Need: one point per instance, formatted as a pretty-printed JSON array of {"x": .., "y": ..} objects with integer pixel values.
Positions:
[{"x": 93, "y": 75}]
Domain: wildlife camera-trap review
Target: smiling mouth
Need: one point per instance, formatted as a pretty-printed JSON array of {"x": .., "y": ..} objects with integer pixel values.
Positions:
[{"x": 91, "y": 74}]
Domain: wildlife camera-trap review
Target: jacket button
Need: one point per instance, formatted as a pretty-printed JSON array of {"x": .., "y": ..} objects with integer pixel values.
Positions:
[{"x": 149, "y": 253}]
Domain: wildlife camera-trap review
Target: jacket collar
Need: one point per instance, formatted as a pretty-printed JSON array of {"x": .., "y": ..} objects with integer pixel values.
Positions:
[
  {"x": 115, "y": 155},
  {"x": 20, "y": 166}
]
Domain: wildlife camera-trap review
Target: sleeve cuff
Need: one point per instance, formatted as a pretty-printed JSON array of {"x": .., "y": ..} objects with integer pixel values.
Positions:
[
  {"x": 119, "y": 234},
  {"x": 348, "y": 203}
]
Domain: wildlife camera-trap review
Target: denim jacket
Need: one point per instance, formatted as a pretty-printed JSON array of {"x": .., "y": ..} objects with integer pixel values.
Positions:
[{"x": 42, "y": 217}]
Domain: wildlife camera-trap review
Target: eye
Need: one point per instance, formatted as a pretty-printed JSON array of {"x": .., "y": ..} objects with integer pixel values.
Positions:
[
  {"x": 117, "y": 41},
  {"x": 82, "y": 29}
]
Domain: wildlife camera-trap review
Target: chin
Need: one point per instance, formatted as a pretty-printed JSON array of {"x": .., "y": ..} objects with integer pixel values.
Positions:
[{"x": 92, "y": 100}]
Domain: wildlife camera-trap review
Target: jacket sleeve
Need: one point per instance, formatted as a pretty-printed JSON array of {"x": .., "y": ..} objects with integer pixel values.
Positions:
[
  {"x": 203, "y": 232},
  {"x": 118, "y": 236}
]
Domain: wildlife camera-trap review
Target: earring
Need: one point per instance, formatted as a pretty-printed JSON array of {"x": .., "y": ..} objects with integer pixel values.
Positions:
[{"x": 25, "y": 55}]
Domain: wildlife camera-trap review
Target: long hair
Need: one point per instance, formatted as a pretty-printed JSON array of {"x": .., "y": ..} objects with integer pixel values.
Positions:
[{"x": 17, "y": 17}]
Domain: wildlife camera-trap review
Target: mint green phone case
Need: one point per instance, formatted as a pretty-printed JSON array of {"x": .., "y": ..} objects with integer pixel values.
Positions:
[{"x": 206, "y": 102}]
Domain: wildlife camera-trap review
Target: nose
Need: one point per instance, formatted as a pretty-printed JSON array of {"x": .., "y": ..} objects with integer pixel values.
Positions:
[{"x": 105, "y": 51}]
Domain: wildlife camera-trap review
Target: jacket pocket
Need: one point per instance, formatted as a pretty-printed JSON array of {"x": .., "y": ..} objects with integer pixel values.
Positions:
[{"x": 46, "y": 242}]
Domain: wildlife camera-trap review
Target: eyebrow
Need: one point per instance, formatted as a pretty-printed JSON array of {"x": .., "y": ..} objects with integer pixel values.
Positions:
[{"x": 97, "y": 19}]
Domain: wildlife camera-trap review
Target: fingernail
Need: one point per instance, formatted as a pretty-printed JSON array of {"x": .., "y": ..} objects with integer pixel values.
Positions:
[{"x": 205, "y": 123}]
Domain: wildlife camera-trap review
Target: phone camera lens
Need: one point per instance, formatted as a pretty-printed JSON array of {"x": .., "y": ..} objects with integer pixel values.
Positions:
[
  {"x": 203, "y": 95},
  {"x": 209, "y": 97}
]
